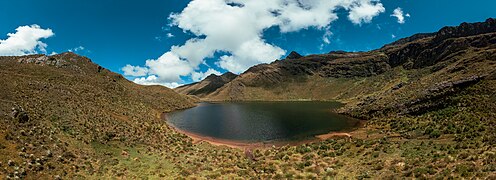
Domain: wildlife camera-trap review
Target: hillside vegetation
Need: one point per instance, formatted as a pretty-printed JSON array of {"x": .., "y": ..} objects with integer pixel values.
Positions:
[
  {"x": 428, "y": 99},
  {"x": 55, "y": 111}
]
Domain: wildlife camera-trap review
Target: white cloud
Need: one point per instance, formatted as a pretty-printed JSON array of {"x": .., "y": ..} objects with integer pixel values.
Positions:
[
  {"x": 364, "y": 10},
  {"x": 398, "y": 13},
  {"x": 153, "y": 80},
  {"x": 327, "y": 35},
  {"x": 134, "y": 70},
  {"x": 76, "y": 49},
  {"x": 198, "y": 76},
  {"x": 237, "y": 31},
  {"x": 170, "y": 35},
  {"x": 26, "y": 40},
  {"x": 169, "y": 67},
  {"x": 248, "y": 54}
]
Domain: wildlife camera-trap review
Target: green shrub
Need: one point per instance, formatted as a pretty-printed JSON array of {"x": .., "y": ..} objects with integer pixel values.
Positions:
[
  {"x": 465, "y": 170},
  {"x": 435, "y": 134},
  {"x": 375, "y": 154}
]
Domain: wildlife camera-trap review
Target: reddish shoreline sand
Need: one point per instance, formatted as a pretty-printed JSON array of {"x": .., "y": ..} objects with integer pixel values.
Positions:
[{"x": 249, "y": 145}]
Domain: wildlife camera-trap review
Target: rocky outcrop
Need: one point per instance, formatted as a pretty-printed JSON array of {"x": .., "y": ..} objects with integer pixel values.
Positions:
[
  {"x": 423, "y": 50},
  {"x": 411, "y": 39},
  {"x": 19, "y": 114},
  {"x": 466, "y": 29}
]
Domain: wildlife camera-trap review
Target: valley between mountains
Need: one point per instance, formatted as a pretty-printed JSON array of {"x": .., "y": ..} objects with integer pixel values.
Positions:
[{"x": 428, "y": 100}]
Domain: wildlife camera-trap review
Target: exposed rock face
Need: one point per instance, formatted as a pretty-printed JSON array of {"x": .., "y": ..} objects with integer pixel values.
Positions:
[
  {"x": 294, "y": 55},
  {"x": 58, "y": 60},
  {"x": 466, "y": 29},
  {"x": 436, "y": 47},
  {"x": 210, "y": 84}
]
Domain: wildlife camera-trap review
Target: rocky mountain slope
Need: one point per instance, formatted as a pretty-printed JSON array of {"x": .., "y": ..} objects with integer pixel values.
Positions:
[
  {"x": 414, "y": 65},
  {"x": 210, "y": 84}
]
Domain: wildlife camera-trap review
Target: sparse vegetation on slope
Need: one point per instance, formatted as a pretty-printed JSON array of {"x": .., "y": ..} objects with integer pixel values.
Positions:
[
  {"x": 54, "y": 108},
  {"x": 429, "y": 101}
]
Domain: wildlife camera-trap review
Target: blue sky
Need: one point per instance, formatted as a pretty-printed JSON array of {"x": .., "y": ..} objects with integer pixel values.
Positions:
[{"x": 119, "y": 33}]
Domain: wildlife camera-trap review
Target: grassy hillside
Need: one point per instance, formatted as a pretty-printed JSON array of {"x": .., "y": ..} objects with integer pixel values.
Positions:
[
  {"x": 55, "y": 111},
  {"x": 429, "y": 101}
]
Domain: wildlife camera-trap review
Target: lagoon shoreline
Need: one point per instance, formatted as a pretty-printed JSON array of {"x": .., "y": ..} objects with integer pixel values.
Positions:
[{"x": 245, "y": 145}]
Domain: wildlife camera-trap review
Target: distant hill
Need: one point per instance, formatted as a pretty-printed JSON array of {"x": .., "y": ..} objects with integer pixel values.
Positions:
[{"x": 209, "y": 85}]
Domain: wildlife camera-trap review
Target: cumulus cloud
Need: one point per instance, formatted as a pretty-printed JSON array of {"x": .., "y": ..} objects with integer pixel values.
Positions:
[
  {"x": 364, "y": 11},
  {"x": 169, "y": 67},
  {"x": 235, "y": 28},
  {"x": 134, "y": 70},
  {"x": 153, "y": 80},
  {"x": 398, "y": 13},
  {"x": 26, "y": 40}
]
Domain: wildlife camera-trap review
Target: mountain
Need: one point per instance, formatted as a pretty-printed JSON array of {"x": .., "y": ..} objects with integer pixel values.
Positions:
[
  {"x": 294, "y": 55},
  {"x": 413, "y": 64},
  {"x": 56, "y": 112},
  {"x": 207, "y": 86}
]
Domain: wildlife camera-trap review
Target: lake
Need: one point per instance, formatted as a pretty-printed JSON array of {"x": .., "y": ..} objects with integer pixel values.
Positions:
[{"x": 261, "y": 121}]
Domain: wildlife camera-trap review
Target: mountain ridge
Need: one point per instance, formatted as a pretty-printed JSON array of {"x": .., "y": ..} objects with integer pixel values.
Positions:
[{"x": 415, "y": 52}]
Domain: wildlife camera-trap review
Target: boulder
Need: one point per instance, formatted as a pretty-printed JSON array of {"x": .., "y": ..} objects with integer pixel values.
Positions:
[{"x": 19, "y": 114}]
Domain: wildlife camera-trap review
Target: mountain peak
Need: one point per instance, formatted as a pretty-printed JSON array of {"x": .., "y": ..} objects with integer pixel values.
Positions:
[
  {"x": 294, "y": 55},
  {"x": 211, "y": 76},
  {"x": 210, "y": 84},
  {"x": 229, "y": 75}
]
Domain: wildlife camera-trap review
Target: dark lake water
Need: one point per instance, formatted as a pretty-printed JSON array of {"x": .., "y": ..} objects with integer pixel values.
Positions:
[{"x": 261, "y": 121}]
